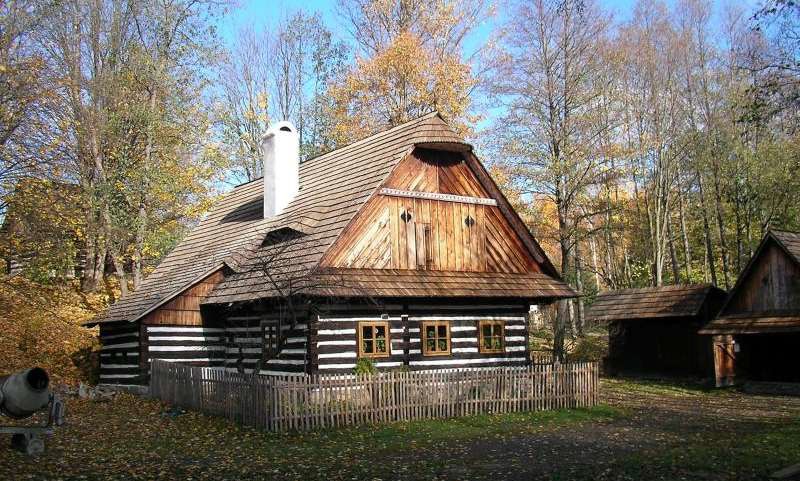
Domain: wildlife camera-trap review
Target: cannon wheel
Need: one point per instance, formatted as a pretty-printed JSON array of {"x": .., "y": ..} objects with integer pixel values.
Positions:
[{"x": 29, "y": 443}]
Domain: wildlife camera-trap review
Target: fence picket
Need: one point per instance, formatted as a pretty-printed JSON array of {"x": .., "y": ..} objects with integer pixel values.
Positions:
[{"x": 308, "y": 402}]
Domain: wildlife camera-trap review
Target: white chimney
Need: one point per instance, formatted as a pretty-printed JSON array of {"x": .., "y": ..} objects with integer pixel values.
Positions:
[{"x": 281, "y": 167}]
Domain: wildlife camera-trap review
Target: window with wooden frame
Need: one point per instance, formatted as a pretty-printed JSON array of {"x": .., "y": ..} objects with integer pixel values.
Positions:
[
  {"x": 435, "y": 338},
  {"x": 491, "y": 337},
  {"x": 373, "y": 339}
]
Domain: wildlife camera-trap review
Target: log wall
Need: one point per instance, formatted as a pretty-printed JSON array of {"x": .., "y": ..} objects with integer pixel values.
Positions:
[
  {"x": 335, "y": 339},
  {"x": 119, "y": 354}
]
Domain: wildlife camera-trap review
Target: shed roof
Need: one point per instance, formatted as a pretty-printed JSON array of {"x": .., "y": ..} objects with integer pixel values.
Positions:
[
  {"x": 790, "y": 241},
  {"x": 333, "y": 188},
  {"x": 652, "y": 302},
  {"x": 753, "y": 325}
]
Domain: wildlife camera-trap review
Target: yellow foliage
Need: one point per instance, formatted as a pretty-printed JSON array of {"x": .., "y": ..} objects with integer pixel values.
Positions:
[
  {"x": 403, "y": 81},
  {"x": 41, "y": 326}
]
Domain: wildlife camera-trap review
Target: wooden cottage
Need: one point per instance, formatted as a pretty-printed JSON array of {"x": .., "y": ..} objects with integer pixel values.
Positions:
[
  {"x": 759, "y": 326},
  {"x": 653, "y": 331},
  {"x": 398, "y": 249}
]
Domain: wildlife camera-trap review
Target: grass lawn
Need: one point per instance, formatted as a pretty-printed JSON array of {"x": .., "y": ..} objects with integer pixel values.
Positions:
[{"x": 643, "y": 430}]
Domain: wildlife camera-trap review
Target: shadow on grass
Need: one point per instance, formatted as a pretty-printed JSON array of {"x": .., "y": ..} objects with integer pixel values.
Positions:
[{"x": 662, "y": 386}]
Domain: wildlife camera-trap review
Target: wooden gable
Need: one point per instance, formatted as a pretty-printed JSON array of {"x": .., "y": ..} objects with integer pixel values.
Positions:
[
  {"x": 771, "y": 284},
  {"x": 184, "y": 309},
  {"x": 432, "y": 213}
]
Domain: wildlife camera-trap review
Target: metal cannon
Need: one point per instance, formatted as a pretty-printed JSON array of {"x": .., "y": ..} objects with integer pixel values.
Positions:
[{"x": 22, "y": 395}]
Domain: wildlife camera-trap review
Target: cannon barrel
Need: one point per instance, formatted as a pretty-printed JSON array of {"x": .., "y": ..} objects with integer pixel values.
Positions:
[{"x": 24, "y": 393}]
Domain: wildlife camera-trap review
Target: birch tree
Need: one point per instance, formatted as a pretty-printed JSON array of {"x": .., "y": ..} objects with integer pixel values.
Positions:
[
  {"x": 653, "y": 124},
  {"x": 281, "y": 74},
  {"x": 544, "y": 75}
]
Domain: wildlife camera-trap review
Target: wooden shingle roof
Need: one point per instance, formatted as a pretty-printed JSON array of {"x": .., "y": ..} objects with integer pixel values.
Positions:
[
  {"x": 790, "y": 241},
  {"x": 333, "y": 188},
  {"x": 753, "y": 325},
  {"x": 231, "y": 224},
  {"x": 652, "y": 302}
]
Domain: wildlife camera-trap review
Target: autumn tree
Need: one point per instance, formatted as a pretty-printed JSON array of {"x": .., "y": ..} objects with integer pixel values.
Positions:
[
  {"x": 26, "y": 142},
  {"x": 653, "y": 126},
  {"x": 409, "y": 61},
  {"x": 129, "y": 79}
]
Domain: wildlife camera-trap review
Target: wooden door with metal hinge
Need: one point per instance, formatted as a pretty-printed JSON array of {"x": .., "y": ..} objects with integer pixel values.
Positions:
[{"x": 724, "y": 360}]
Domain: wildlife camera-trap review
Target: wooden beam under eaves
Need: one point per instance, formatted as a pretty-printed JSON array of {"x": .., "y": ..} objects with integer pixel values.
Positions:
[{"x": 461, "y": 199}]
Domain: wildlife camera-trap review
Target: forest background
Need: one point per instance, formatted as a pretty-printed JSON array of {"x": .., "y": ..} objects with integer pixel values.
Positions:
[{"x": 644, "y": 144}]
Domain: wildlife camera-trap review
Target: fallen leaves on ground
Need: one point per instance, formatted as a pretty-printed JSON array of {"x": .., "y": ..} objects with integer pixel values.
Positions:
[{"x": 645, "y": 433}]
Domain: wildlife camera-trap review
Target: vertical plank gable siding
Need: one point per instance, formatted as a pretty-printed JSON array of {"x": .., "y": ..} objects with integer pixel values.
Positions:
[
  {"x": 771, "y": 286},
  {"x": 409, "y": 233},
  {"x": 307, "y": 402},
  {"x": 184, "y": 309}
]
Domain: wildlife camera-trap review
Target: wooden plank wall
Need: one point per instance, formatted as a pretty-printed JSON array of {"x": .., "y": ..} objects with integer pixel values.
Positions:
[
  {"x": 184, "y": 310},
  {"x": 303, "y": 402},
  {"x": 773, "y": 285},
  {"x": 434, "y": 234},
  {"x": 435, "y": 171},
  {"x": 119, "y": 355}
]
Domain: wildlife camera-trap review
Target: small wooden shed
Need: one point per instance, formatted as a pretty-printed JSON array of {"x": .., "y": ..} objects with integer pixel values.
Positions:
[
  {"x": 653, "y": 331},
  {"x": 758, "y": 328}
]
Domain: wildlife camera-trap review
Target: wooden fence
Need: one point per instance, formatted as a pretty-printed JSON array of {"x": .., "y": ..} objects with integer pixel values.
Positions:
[
  {"x": 542, "y": 357},
  {"x": 303, "y": 402}
]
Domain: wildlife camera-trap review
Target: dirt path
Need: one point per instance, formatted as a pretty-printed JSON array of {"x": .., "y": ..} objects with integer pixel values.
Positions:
[{"x": 658, "y": 437}]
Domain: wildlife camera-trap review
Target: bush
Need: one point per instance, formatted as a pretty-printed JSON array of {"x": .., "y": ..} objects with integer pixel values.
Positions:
[
  {"x": 588, "y": 348},
  {"x": 365, "y": 366}
]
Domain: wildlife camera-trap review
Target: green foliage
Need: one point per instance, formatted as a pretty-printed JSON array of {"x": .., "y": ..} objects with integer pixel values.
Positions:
[{"x": 365, "y": 366}]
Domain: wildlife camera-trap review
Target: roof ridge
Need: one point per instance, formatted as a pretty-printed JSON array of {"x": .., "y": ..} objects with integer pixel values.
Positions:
[
  {"x": 783, "y": 231},
  {"x": 703, "y": 285},
  {"x": 394, "y": 128},
  {"x": 431, "y": 114}
]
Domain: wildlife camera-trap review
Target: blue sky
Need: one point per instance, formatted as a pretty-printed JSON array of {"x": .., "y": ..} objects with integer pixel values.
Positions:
[
  {"x": 267, "y": 12},
  {"x": 261, "y": 13}
]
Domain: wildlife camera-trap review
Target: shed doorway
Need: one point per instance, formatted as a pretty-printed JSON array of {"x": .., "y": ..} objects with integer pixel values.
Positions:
[{"x": 768, "y": 357}]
